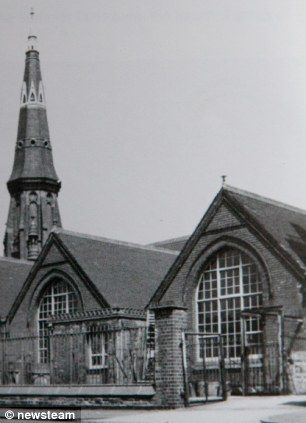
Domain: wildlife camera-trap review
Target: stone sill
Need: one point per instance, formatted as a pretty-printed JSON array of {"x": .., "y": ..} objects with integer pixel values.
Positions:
[{"x": 77, "y": 390}]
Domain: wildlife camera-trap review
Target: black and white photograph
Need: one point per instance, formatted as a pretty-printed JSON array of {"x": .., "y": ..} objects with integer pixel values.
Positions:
[{"x": 153, "y": 211}]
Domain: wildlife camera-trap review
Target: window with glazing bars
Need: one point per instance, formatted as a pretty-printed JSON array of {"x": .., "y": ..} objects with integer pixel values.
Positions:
[
  {"x": 229, "y": 283},
  {"x": 97, "y": 350},
  {"x": 59, "y": 298}
]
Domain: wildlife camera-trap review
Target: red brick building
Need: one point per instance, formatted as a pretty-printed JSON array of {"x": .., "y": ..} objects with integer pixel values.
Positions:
[
  {"x": 97, "y": 321},
  {"x": 241, "y": 274}
]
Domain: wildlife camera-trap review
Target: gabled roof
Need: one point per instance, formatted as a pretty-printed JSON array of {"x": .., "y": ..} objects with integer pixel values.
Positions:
[
  {"x": 280, "y": 225},
  {"x": 125, "y": 274},
  {"x": 175, "y": 244},
  {"x": 285, "y": 223},
  {"x": 13, "y": 273},
  {"x": 119, "y": 274}
]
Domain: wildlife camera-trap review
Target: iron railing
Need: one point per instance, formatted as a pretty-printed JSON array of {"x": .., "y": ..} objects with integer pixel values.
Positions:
[{"x": 92, "y": 355}]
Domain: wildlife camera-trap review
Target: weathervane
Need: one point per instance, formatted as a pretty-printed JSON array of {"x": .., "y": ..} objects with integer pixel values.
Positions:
[{"x": 223, "y": 177}]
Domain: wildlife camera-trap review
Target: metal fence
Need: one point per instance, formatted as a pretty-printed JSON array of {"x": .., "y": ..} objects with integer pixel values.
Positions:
[
  {"x": 209, "y": 373},
  {"x": 205, "y": 378},
  {"x": 94, "y": 355},
  {"x": 256, "y": 371}
]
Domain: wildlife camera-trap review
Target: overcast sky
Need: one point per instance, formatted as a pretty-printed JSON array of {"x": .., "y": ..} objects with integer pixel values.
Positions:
[{"x": 149, "y": 102}]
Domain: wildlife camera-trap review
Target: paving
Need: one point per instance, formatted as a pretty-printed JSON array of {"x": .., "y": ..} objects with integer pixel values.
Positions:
[
  {"x": 268, "y": 409},
  {"x": 274, "y": 409}
]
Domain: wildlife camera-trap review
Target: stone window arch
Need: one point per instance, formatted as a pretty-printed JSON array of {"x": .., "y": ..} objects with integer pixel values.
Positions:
[
  {"x": 58, "y": 298},
  {"x": 229, "y": 282}
]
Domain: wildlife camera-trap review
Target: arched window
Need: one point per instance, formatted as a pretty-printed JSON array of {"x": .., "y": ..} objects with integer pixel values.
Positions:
[
  {"x": 229, "y": 283},
  {"x": 33, "y": 209},
  {"x": 59, "y": 298}
]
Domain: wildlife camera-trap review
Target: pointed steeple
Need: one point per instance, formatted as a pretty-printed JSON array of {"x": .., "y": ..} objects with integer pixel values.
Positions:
[{"x": 33, "y": 184}]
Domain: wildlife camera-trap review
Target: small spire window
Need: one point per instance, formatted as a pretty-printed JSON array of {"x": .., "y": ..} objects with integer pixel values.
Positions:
[
  {"x": 40, "y": 98},
  {"x": 24, "y": 99},
  {"x": 32, "y": 97}
]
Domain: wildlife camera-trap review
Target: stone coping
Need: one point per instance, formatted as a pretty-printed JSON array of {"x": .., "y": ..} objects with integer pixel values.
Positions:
[
  {"x": 106, "y": 312},
  {"x": 82, "y": 391},
  {"x": 158, "y": 307}
]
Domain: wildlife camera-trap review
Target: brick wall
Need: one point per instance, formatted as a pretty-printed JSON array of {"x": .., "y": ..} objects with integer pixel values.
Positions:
[
  {"x": 281, "y": 286},
  {"x": 25, "y": 317},
  {"x": 169, "y": 377}
]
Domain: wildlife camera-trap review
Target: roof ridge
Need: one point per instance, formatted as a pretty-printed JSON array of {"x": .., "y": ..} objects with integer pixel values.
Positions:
[
  {"x": 264, "y": 199},
  {"x": 113, "y": 241},
  {"x": 16, "y": 261},
  {"x": 166, "y": 241}
]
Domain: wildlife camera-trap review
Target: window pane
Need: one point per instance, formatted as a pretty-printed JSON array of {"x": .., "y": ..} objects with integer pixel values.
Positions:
[
  {"x": 230, "y": 282},
  {"x": 97, "y": 349},
  {"x": 59, "y": 298}
]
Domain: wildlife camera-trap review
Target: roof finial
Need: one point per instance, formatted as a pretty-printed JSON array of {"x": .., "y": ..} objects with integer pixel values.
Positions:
[
  {"x": 32, "y": 38},
  {"x": 223, "y": 177},
  {"x": 32, "y": 13}
]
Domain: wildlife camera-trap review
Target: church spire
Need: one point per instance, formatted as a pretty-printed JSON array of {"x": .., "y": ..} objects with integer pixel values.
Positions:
[{"x": 33, "y": 184}]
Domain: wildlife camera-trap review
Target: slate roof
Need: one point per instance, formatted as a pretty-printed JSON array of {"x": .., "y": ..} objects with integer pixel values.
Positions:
[
  {"x": 175, "y": 244},
  {"x": 285, "y": 223},
  {"x": 13, "y": 274},
  {"x": 125, "y": 274}
]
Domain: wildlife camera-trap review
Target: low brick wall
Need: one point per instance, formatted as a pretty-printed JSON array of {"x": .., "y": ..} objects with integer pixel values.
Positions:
[{"x": 78, "y": 396}]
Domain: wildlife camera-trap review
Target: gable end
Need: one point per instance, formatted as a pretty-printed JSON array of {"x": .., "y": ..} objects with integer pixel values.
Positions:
[
  {"x": 238, "y": 217},
  {"x": 65, "y": 256}
]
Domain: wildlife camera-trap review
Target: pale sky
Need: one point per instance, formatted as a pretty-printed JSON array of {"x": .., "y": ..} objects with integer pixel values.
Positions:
[{"x": 150, "y": 101}]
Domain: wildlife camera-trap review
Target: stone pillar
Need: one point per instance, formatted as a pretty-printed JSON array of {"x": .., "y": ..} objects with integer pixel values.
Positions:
[{"x": 169, "y": 376}]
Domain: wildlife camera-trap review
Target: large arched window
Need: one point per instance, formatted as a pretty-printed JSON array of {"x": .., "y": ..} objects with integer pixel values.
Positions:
[
  {"x": 59, "y": 298},
  {"x": 229, "y": 283}
]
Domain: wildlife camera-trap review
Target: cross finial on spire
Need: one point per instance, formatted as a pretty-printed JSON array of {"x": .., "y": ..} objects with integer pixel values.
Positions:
[
  {"x": 32, "y": 13},
  {"x": 223, "y": 179},
  {"x": 32, "y": 38}
]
